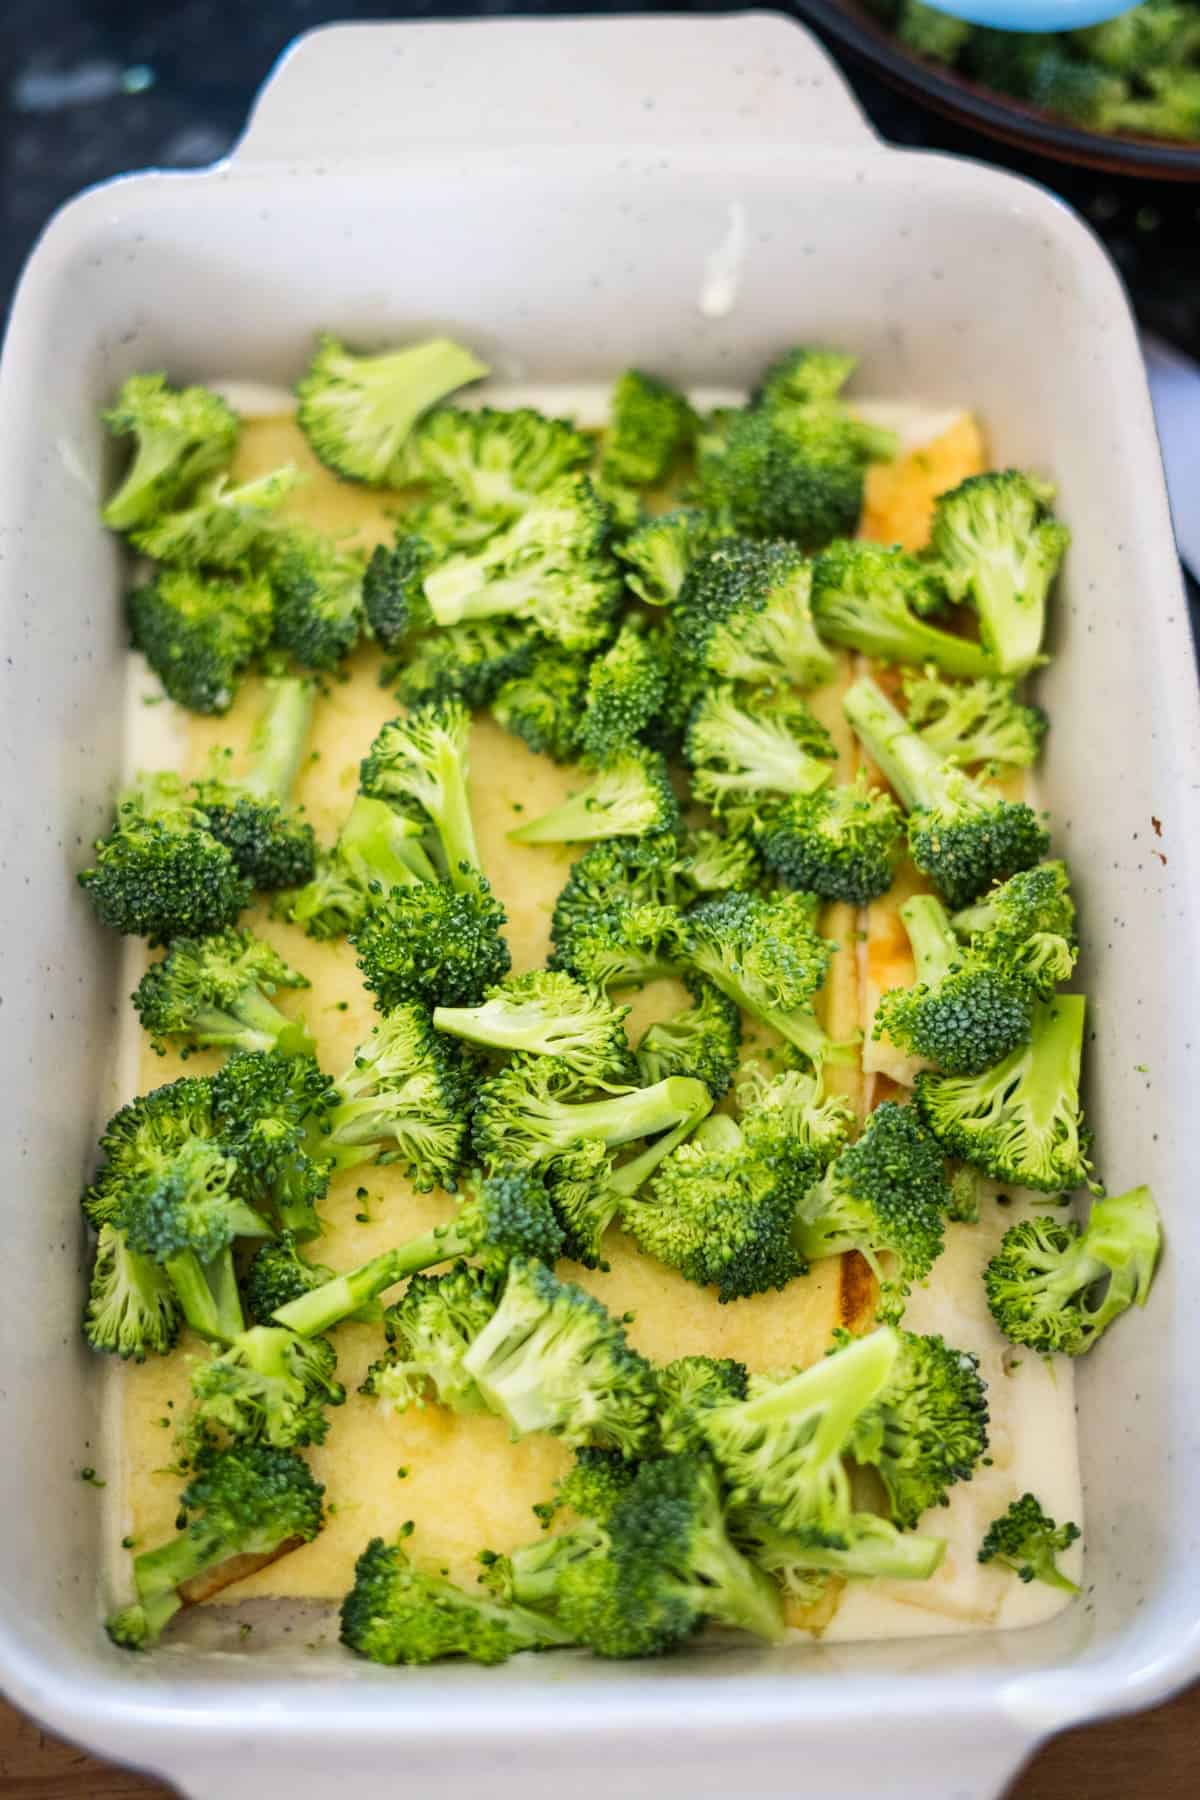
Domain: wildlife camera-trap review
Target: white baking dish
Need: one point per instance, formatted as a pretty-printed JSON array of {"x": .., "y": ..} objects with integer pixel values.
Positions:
[{"x": 692, "y": 194}]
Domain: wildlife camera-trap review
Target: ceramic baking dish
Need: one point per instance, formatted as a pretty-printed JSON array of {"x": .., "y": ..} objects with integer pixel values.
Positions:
[{"x": 570, "y": 197}]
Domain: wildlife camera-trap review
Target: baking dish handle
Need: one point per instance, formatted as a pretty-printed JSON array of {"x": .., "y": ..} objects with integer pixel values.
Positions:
[{"x": 349, "y": 92}]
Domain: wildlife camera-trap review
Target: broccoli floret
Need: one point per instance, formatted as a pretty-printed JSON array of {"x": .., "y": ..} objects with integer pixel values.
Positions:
[
  {"x": 843, "y": 842},
  {"x": 547, "y": 1013},
  {"x": 429, "y": 1331},
  {"x": 317, "y": 588},
  {"x": 181, "y": 435},
  {"x": 270, "y": 1110},
  {"x": 928, "y": 1427},
  {"x": 551, "y": 1359},
  {"x": 1019, "y": 1121},
  {"x": 494, "y": 464},
  {"x": 530, "y": 1575},
  {"x": 704, "y": 1041},
  {"x": 393, "y": 589},
  {"x": 405, "y": 1098},
  {"x": 553, "y": 567},
  {"x": 160, "y": 873},
  {"x": 631, "y": 796},
  {"x": 1055, "y": 1287},
  {"x": 248, "y": 1502},
  {"x": 617, "y": 922},
  {"x": 803, "y": 376},
  {"x": 420, "y": 764},
  {"x": 267, "y": 1387},
  {"x": 472, "y": 663},
  {"x": 743, "y": 615},
  {"x": 764, "y": 954},
  {"x": 543, "y": 704},
  {"x": 650, "y": 423},
  {"x": 995, "y": 548},
  {"x": 1027, "y": 1541},
  {"x": 221, "y": 526},
  {"x": 626, "y": 691},
  {"x": 659, "y": 553},
  {"x": 272, "y": 845},
  {"x": 396, "y": 1613},
  {"x": 435, "y": 943},
  {"x": 216, "y": 991},
  {"x": 711, "y": 863},
  {"x": 869, "y": 598},
  {"x": 687, "y": 1388},
  {"x": 1026, "y": 928},
  {"x": 791, "y": 1126},
  {"x": 742, "y": 744},
  {"x": 377, "y": 850},
  {"x": 357, "y": 411},
  {"x": 198, "y": 632},
  {"x": 974, "y": 721},
  {"x": 591, "y": 1488},
  {"x": 885, "y": 1195},
  {"x": 131, "y": 1309},
  {"x": 871, "y": 1548},
  {"x": 278, "y": 1273},
  {"x": 961, "y": 833},
  {"x": 961, "y": 1013}
]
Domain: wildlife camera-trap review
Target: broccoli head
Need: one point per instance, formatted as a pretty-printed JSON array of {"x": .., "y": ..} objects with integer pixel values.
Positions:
[
  {"x": 131, "y": 1310},
  {"x": 659, "y": 553},
  {"x": 871, "y": 598},
  {"x": 1027, "y": 1541},
  {"x": 742, "y": 744},
  {"x": 317, "y": 588},
  {"x": 435, "y": 943},
  {"x": 543, "y": 703},
  {"x": 494, "y": 464},
  {"x": 216, "y": 992},
  {"x": 711, "y": 862},
  {"x": 974, "y": 721},
  {"x": 405, "y": 1098},
  {"x": 378, "y": 849},
  {"x": 962, "y": 1013},
  {"x": 271, "y": 1110},
  {"x": 630, "y": 796},
  {"x": 198, "y": 632},
  {"x": 270, "y": 841},
  {"x": 420, "y": 764},
  {"x": 687, "y": 1388},
  {"x": 471, "y": 663},
  {"x": 160, "y": 873},
  {"x": 996, "y": 548},
  {"x": 787, "y": 1123},
  {"x": 221, "y": 526},
  {"x": 267, "y": 1387},
  {"x": 765, "y": 956},
  {"x": 357, "y": 411},
  {"x": 1025, "y": 928},
  {"x": 547, "y": 1013},
  {"x": 278, "y": 1273},
  {"x": 650, "y": 424},
  {"x": 180, "y": 436},
  {"x": 743, "y": 615},
  {"x": 429, "y": 1331},
  {"x": 703, "y": 1042},
  {"x": 928, "y": 1427},
  {"x": 626, "y": 690},
  {"x": 842, "y": 842},
  {"x": 393, "y": 588}
]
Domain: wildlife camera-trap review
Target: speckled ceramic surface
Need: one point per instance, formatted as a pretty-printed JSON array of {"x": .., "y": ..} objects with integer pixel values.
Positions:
[{"x": 399, "y": 178}]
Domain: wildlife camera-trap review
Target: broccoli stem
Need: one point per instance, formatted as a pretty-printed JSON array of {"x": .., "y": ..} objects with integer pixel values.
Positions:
[
  {"x": 256, "y": 1025},
  {"x": 935, "y": 948},
  {"x": 625, "y": 1181},
  {"x": 1055, "y": 1055},
  {"x": 455, "y": 827},
  {"x": 914, "y": 770},
  {"x": 327, "y": 1305},
  {"x": 208, "y": 1292},
  {"x": 279, "y": 737}
]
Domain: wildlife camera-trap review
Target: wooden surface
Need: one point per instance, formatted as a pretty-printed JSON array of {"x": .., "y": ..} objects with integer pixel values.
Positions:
[{"x": 1152, "y": 1757}]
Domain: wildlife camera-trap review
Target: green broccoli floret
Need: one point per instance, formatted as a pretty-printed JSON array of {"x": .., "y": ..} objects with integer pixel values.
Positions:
[
  {"x": 221, "y": 526},
  {"x": 843, "y": 842},
  {"x": 551, "y": 1359},
  {"x": 494, "y": 464},
  {"x": 317, "y": 588},
  {"x": 928, "y": 1427},
  {"x": 687, "y": 1388},
  {"x": 961, "y": 833},
  {"x": 703, "y": 1042},
  {"x": 267, "y": 1387},
  {"x": 420, "y": 765},
  {"x": 764, "y": 954},
  {"x": 742, "y": 744},
  {"x": 1026, "y": 928},
  {"x": 995, "y": 548},
  {"x": 791, "y": 1126},
  {"x": 974, "y": 721},
  {"x": 357, "y": 411},
  {"x": 869, "y": 598},
  {"x": 553, "y": 567},
  {"x": 1055, "y": 1287},
  {"x": 547, "y": 1013},
  {"x": 216, "y": 991},
  {"x": 543, "y": 703},
  {"x": 472, "y": 663},
  {"x": 530, "y": 1575},
  {"x": 131, "y": 1310},
  {"x": 650, "y": 423},
  {"x": 278, "y": 1273},
  {"x": 659, "y": 553},
  {"x": 1019, "y": 1121},
  {"x": 743, "y": 615},
  {"x": 429, "y": 1331},
  {"x": 198, "y": 632},
  {"x": 435, "y": 944},
  {"x": 961, "y": 1013},
  {"x": 626, "y": 690},
  {"x": 160, "y": 873},
  {"x": 393, "y": 589},
  {"x": 250, "y": 1501},
  {"x": 181, "y": 435},
  {"x": 712, "y": 863},
  {"x": 613, "y": 883},
  {"x": 271, "y": 1110},
  {"x": 378, "y": 849},
  {"x": 272, "y": 845},
  {"x": 396, "y": 1613},
  {"x": 631, "y": 796},
  {"x": 885, "y": 1195},
  {"x": 1026, "y": 1540}
]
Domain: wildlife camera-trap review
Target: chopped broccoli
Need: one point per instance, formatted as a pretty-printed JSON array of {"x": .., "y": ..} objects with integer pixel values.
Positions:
[
  {"x": 711, "y": 863},
  {"x": 962, "y": 1013},
  {"x": 544, "y": 702},
  {"x": 270, "y": 1110},
  {"x": 220, "y": 526},
  {"x": 795, "y": 1129},
  {"x": 435, "y": 943},
  {"x": 703, "y": 1042},
  {"x": 429, "y": 1331},
  {"x": 271, "y": 843},
  {"x": 377, "y": 850},
  {"x": 216, "y": 991},
  {"x": 927, "y": 1429},
  {"x": 764, "y": 954},
  {"x": 494, "y": 464},
  {"x": 974, "y": 721},
  {"x": 659, "y": 553},
  {"x": 250, "y": 1501},
  {"x": 267, "y": 1387},
  {"x": 631, "y": 796},
  {"x": 547, "y": 1013},
  {"x": 357, "y": 411},
  {"x": 181, "y": 435},
  {"x": 743, "y": 615},
  {"x": 1054, "y": 1287},
  {"x": 472, "y": 662},
  {"x": 687, "y": 1388},
  {"x": 626, "y": 690},
  {"x": 317, "y": 587},
  {"x": 842, "y": 842},
  {"x": 650, "y": 424},
  {"x": 553, "y": 567},
  {"x": 198, "y": 632},
  {"x": 1019, "y": 1121},
  {"x": 420, "y": 764},
  {"x": 617, "y": 921},
  {"x": 995, "y": 548},
  {"x": 591, "y": 1488},
  {"x": 869, "y": 598},
  {"x": 1026, "y": 927},
  {"x": 530, "y": 1574},
  {"x": 160, "y": 873},
  {"x": 408, "y": 1089},
  {"x": 1027, "y": 1541},
  {"x": 961, "y": 833},
  {"x": 884, "y": 1195},
  {"x": 132, "y": 1309},
  {"x": 742, "y": 744},
  {"x": 278, "y": 1273},
  {"x": 393, "y": 589}
]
